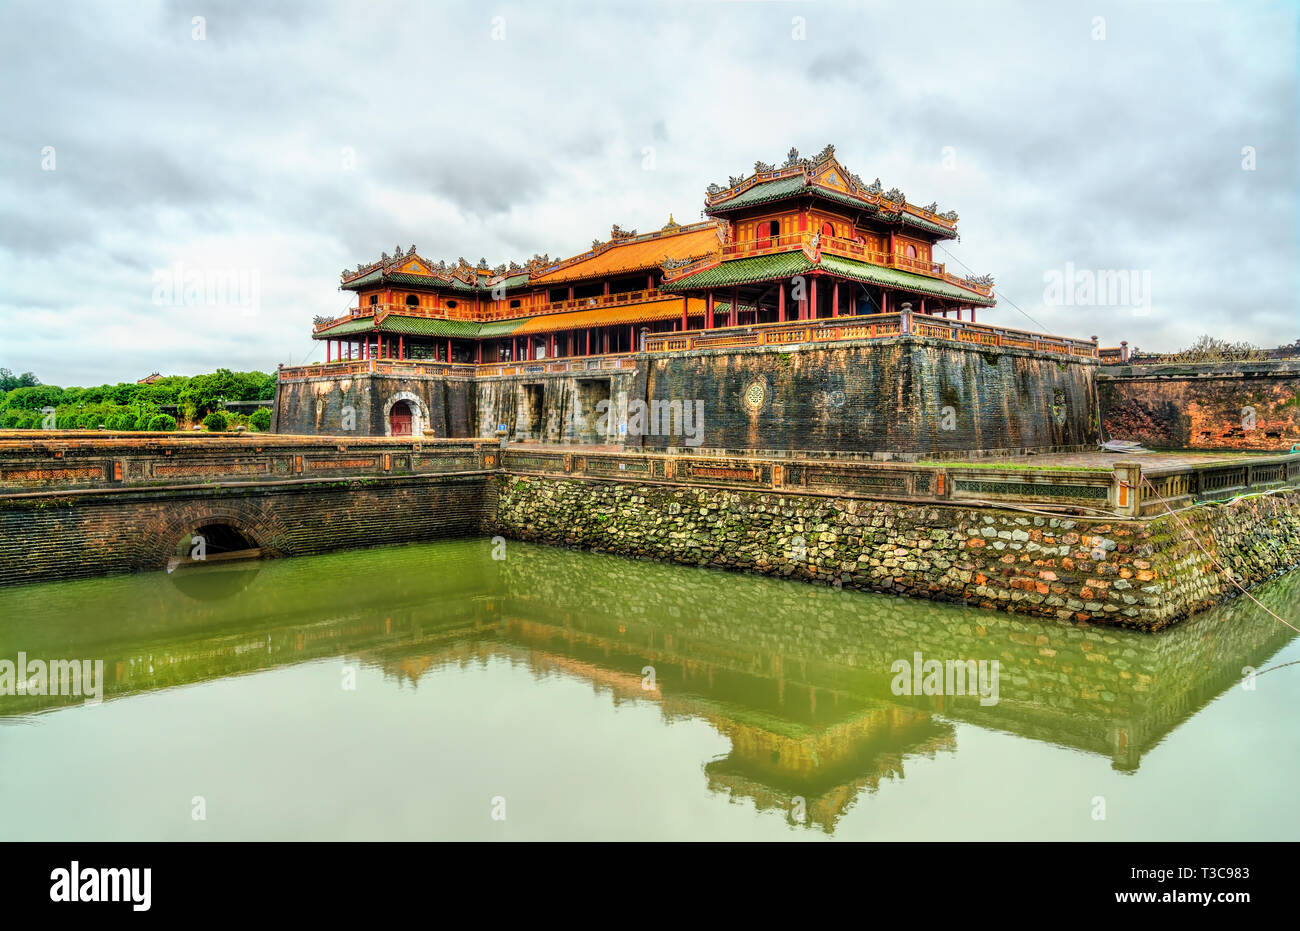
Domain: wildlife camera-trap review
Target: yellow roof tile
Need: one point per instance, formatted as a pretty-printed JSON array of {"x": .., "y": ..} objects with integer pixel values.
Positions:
[
  {"x": 641, "y": 253},
  {"x": 607, "y": 316}
]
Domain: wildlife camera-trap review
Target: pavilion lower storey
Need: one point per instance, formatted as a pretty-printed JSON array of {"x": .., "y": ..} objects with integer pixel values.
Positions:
[{"x": 815, "y": 298}]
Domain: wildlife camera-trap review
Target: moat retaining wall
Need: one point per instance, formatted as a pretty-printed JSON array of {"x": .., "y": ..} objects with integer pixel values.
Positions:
[
  {"x": 78, "y": 536},
  {"x": 1141, "y": 574}
]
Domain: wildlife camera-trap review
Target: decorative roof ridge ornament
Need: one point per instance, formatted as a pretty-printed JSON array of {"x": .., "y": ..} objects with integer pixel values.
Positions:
[
  {"x": 671, "y": 225},
  {"x": 618, "y": 234},
  {"x": 983, "y": 281}
]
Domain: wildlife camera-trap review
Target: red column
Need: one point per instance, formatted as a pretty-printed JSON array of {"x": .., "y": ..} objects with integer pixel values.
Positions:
[
  {"x": 327, "y": 350},
  {"x": 922, "y": 305},
  {"x": 650, "y": 282},
  {"x": 835, "y": 299},
  {"x": 401, "y": 349},
  {"x": 812, "y": 300},
  {"x": 734, "y": 317},
  {"x": 708, "y": 311},
  {"x": 780, "y": 301},
  {"x": 478, "y": 352},
  {"x": 884, "y": 301},
  {"x": 449, "y": 349},
  {"x": 972, "y": 315},
  {"x": 685, "y": 303},
  {"x": 588, "y": 340},
  {"x": 631, "y": 337}
]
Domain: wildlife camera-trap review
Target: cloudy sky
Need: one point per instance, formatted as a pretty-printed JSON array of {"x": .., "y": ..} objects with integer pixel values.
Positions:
[{"x": 267, "y": 146}]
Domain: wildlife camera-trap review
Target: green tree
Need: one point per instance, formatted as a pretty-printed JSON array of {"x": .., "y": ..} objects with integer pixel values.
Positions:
[
  {"x": 9, "y": 381},
  {"x": 260, "y": 420},
  {"x": 216, "y": 422}
]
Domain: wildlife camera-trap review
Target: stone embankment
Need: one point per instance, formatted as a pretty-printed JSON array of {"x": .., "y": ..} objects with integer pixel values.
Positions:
[{"x": 1142, "y": 574}]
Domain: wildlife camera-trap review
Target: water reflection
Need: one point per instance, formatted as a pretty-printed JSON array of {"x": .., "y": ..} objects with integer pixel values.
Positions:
[{"x": 797, "y": 678}]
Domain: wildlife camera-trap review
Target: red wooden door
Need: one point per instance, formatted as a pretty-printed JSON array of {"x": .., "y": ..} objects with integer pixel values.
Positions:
[{"x": 399, "y": 419}]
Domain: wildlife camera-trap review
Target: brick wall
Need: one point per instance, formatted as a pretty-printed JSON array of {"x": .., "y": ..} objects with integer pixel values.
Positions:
[
  {"x": 1241, "y": 405},
  {"x": 316, "y": 406},
  {"x": 907, "y": 396},
  {"x": 80, "y": 535}
]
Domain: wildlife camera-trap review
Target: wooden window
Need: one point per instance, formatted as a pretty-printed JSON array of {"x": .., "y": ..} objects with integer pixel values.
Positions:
[{"x": 412, "y": 301}]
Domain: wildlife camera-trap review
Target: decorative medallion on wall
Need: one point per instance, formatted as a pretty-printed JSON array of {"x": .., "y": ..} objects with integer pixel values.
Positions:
[{"x": 755, "y": 395}]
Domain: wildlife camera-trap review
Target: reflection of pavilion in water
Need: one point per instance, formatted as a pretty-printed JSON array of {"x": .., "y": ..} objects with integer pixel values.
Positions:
[{"x": 796, "y": 678}]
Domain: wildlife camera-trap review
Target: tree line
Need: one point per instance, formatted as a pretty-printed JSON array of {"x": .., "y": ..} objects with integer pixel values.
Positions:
[{"x": 25, "y": 403}]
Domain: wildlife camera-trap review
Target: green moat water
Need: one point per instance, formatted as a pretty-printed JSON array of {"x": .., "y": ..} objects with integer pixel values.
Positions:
[{"x": 606, "y": 698}]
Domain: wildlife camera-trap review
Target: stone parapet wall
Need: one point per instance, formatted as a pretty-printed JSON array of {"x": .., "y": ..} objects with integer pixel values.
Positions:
[{"x": 1140, "y": 574}]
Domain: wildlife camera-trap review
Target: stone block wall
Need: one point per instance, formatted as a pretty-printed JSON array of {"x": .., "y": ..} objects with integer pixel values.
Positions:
[
  {"x": 557, "y": 408},
  {"x": 319, "y": 406},
  {"x": 900, "y": 397},
  {"x": 907, "y": 396},
  {"x": 1135, "y": 574}
]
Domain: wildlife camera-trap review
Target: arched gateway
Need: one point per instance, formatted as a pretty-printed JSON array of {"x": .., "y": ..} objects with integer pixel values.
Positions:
[{"x": 405, "y": 415}]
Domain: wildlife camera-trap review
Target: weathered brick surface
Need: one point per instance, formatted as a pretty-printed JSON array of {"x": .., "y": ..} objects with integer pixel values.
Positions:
[
  {"x": 1252, "y": 405},
  {"x": 905, "y": 396},
  {"x": 1135, "y": 574},
  {"x": 316, "y": 407},
  {"x": 43, "y": 538}
]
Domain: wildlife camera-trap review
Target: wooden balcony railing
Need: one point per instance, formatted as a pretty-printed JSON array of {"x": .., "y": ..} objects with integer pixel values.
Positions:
[
  {"x": 833, "y": 245},
  {"x": 873, "y": 326},
  {"x": 790, "y": 242},
  {"x": 473, "y": 314}
]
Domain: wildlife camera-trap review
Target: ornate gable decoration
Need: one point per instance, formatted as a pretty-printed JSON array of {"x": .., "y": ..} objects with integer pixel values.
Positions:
[{"x": 824, "y": 171}]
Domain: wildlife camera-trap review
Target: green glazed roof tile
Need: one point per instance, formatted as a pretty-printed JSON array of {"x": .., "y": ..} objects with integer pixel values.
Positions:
[
  {"x": 906, "y": 281},
  {"x": 743, "y": 271},
  {"x": 787, "y": 264},
  {"x": 424, "y": 326}
]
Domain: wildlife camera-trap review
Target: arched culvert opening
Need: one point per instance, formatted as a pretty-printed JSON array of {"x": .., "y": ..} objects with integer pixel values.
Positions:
[{"x": 214, "y": 542}]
